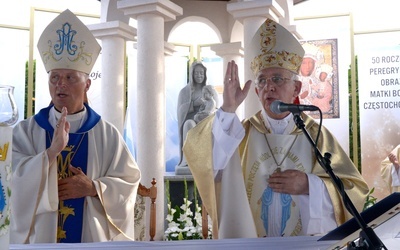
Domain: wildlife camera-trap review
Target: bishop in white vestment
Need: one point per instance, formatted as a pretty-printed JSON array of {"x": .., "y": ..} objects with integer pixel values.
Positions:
[
  {"x": 260, "y": 177},
  {"x": 74, "y": 179}
]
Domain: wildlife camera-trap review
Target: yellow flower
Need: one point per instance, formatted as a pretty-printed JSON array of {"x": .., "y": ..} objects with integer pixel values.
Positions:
[
  {"x": 67, "y": 211},
  {"x": 61, "y": 234},
  {"x": 64, "y": 212}
]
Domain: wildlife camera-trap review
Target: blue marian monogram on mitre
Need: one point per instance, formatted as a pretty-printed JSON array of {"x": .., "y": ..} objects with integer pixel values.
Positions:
[
  {"x": 66, "y": 38},
  {"x": 66, "y": 43}
]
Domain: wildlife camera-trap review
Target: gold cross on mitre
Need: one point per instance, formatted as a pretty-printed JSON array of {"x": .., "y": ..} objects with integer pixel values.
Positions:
[{"x": 3, "y": 152}]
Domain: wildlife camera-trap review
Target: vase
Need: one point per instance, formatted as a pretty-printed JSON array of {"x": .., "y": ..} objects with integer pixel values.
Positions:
[{"x": 8, "y": 117}]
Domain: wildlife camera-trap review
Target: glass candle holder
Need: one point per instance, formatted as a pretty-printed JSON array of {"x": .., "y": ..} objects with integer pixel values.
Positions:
[
  {"x": 8, "y": 107},
  {"x": 8, "y": 117}
]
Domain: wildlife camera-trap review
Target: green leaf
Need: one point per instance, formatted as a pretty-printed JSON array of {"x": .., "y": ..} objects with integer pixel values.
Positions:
[{"x": 180, "y": 236}]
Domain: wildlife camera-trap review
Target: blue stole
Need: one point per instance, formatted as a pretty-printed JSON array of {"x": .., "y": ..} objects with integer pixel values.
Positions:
[{"x": 70, "y": 213}]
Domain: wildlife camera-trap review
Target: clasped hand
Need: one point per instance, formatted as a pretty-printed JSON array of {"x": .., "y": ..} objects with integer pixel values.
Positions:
[
  {"x": 289, "y": 181},
  {"x": 76, "y": 186}
]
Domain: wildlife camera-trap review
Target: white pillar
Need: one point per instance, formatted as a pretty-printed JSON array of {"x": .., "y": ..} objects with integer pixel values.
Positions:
[
  {"x": 229, "y": 52},
  {"x": 252, "y": 14},
  {"x": 150, "y": 16},
  {"x": 113, "y": 36}
]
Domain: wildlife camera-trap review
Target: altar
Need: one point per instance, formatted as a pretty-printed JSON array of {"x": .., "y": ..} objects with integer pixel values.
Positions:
[
  {"x": 307, "y": 242},
  {"x": 385, "y": 223},
  {"x": 298, "y": 243}
]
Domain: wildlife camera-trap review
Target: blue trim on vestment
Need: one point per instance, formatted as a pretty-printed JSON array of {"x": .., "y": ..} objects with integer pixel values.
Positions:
[
  {"x": 71, "y": 218},
  {"x": 42, "y": 119}
]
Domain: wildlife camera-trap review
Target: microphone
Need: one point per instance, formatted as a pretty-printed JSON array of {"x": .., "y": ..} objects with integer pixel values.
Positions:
[{"x": 278, "y": 107}]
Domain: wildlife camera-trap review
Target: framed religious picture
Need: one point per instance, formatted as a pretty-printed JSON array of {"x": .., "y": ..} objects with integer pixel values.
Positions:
[{"x": 319, "y": 75}]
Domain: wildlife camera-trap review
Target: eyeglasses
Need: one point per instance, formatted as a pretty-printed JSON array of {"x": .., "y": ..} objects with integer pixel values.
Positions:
[
  {"x": 68, "y": 79},
  {"x": 277, "y": 80}
]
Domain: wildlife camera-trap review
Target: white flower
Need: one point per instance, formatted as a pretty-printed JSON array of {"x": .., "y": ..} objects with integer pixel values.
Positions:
[
  {"x": 186, "y": 206},
  {"x": 169, "y": 218},
  {"x": 188, "y": 222},
  {"x": 173, "y": 226},
  {"x": 182, "y": 217},
  {"x": 198, "y": 217},
  {"x": 198, "y": 208}
]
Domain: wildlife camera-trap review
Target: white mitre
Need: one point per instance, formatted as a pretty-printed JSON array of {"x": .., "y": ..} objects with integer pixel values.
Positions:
[
  {"x": 67, "y": 43},
  {"x": 274, "y": 46}
]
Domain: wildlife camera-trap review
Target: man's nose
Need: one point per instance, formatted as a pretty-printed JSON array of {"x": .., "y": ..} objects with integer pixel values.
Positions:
[
  {"x": 270, "y": 86},
  {"x": 61, "y": 82}
]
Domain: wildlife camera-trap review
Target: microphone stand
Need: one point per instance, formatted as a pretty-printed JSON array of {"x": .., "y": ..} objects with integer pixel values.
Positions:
[{"x": 368, "y": 239}]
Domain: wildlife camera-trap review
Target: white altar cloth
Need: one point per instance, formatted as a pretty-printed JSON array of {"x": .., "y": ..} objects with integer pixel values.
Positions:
[{"x": 298, "y": 243}]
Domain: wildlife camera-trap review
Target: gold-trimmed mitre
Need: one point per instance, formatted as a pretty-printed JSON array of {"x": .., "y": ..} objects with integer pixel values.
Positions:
[
  {"x": 66, "y": 43},
  {"x": 274, "y": 46}
]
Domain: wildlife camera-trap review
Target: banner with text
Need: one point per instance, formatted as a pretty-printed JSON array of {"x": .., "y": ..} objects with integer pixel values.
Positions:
[{"x": 379, "y": 103}]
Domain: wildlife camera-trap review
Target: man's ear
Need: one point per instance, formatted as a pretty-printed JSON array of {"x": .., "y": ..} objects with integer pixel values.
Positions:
[
  {"x": 297, "y": 87},
  {"x": 88, "y": 84}
]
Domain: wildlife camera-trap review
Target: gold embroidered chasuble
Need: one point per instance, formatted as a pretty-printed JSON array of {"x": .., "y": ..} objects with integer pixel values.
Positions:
[{"x": 257, "y": 163}]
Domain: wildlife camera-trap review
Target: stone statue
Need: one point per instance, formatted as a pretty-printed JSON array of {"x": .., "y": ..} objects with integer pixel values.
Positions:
[
  {"x": 194, "y": 104},
  {"x": 209, "y": 104}
]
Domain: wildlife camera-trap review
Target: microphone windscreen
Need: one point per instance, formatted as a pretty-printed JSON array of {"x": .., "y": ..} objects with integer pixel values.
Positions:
[{"x": 275, "y": 107}]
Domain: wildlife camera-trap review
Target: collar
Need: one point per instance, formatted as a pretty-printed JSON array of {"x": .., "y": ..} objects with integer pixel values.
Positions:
[
  {"x": 282, "y": 126},
  {"x": 76, "y": 120}
]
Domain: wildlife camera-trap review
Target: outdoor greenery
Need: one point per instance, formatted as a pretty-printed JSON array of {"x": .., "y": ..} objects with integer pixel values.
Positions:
[
  {"x": 26, "y": 89},
  {"x": 356, "y": 113}
]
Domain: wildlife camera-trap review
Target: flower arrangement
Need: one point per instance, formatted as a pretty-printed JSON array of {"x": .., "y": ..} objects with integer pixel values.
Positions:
[{"x": 183, "y": 223}]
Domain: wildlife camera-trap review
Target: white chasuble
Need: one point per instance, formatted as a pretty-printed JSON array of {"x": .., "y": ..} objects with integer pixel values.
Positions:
[
  {"x": 115, "y": 174},
  {"x": 275, "y": 214}
]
